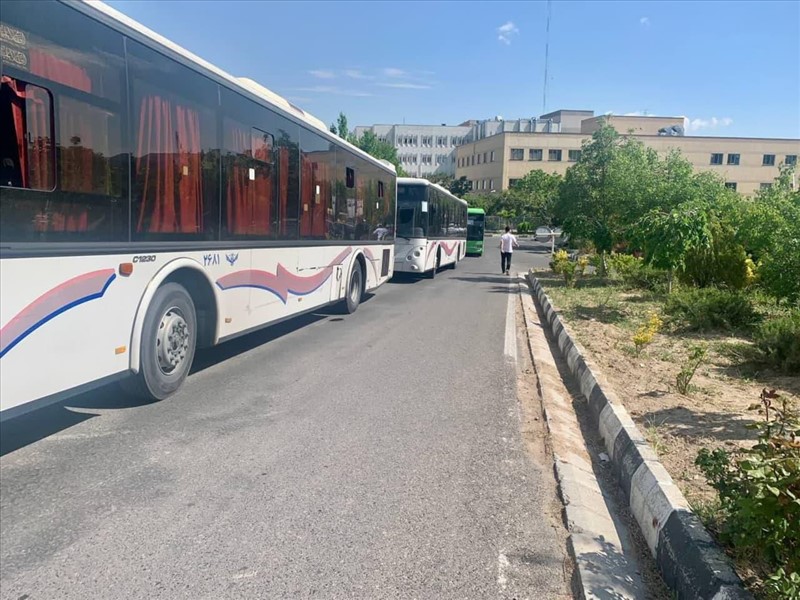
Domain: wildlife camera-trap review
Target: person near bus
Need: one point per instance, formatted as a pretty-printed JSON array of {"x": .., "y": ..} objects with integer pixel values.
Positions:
[{"x": 507, "y": 242}]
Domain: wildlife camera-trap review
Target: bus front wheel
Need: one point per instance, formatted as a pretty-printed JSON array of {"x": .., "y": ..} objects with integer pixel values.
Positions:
[{"x": 169, "y": 338}]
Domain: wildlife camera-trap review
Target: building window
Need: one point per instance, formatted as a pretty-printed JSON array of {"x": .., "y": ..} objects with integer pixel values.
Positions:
[
  {"x": 765, "y": 186},
  {"x": 791, "y": 159},
  {"x": 492, "y": 156},
  {"x": 517, "y": 154},
  {"x": 768, "y": 160},
  {"x": 479, "y": 159},
  {"x": 733, "y": 159},
  {"x": 491, "y": 185},
  {"x": 574, "y": 155},
  {"x": 554, "y": 155},
  {"x": 716, "y": 159},
  {"x": 535, "y": 154},
  {"x": 472, "y": 162},
  {"x": 512, "y": 182},
  {"x": 731, "y": 185},
  {"x": 484, "y": 157}
]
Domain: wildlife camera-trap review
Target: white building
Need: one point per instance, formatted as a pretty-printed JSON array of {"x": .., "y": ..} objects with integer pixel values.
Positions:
[{"x": 422, "y": 149}]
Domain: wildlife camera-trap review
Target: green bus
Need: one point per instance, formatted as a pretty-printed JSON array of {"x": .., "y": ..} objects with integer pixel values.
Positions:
[{"x": 475, "y": 222}]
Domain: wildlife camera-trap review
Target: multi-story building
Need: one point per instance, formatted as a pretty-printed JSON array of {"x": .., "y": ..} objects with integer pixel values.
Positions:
[
  {"x": 495, "y": 162},
  {"x": 422, "y": 149},
  {"x": 430, "y": 149}
]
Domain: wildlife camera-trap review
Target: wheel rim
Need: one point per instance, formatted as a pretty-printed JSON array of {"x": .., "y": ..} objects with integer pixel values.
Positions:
[
  {"x": 355, "y": 287},
  {"x": 172, "y": 341}
]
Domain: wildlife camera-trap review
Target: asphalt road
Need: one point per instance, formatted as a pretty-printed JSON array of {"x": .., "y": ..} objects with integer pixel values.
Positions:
[{"x": 375, "y": 455}]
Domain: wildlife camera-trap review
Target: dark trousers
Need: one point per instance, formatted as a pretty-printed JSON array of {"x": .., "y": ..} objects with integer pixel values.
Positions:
[{"x": 505, "y": 261}]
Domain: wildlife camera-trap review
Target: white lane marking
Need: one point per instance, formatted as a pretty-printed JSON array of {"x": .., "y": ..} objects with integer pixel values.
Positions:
[
  {"x": 510, "y": 346},
  {"x": 502, "y": 565}
]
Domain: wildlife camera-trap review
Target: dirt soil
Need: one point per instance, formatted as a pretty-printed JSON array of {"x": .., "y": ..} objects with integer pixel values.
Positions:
[{"x": 714, "y": 415}]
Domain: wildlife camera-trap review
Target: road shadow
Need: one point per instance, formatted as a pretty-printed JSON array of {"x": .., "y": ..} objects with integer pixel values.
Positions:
[
  {"x": 686, "y": 423},
  {"x": 486, "y": 278},
  {"x": 406, "y": 278},
  {"x": 20, "y": 431},
  {"x": 208, "y": 357},
  {"x": 38, "y": 424}
]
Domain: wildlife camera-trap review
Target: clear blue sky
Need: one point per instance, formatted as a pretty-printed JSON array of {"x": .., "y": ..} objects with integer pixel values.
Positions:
[{"x": 731, "y": 68}]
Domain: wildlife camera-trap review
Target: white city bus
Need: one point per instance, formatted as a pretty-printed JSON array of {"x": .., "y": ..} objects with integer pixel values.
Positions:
[
  {"x": 151, "y": 203},
  {"x": 431, "y": 227}
]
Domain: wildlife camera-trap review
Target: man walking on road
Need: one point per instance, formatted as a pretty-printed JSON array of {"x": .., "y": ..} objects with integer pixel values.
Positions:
[{"x": 507, "y": 243}]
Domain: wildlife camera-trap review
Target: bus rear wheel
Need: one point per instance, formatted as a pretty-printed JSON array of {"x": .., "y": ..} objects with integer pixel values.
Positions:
[
  {"x": 169, "y": 338},
  {"x": 355, "y": 289}
]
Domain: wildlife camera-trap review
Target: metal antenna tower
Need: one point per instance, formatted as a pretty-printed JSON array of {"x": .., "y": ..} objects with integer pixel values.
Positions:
[{"x": 546, "y": 58}]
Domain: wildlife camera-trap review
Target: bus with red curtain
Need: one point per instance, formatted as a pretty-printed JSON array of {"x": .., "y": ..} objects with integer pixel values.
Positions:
[{"x": 151, "y": 204}]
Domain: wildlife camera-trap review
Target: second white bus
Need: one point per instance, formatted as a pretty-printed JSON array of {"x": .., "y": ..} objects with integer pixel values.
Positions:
[{"x": 431, "y": 227}]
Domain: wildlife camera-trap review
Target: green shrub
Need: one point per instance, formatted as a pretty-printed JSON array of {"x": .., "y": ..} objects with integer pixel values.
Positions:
[
  {"x": 778, "y": 340},
  {"x": 572, "y": 271},
  {"x": 759, "y": 492},
  {"x": 635, "y": 273},
  {"x": 723, "y": 263},
  {"x": 707, "y": 309},
  {"x": 524, "y": 227}
]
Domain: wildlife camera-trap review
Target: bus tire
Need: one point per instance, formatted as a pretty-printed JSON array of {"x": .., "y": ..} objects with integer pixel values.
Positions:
[
  {"x": 436, "y": 265},
  {"x": 355, "y": 289},
  {"x": 169, "y": 339}
]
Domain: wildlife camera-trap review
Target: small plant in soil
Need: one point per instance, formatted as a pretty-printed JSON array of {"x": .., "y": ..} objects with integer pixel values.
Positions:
[
  {"x": 697, "y": 355},
  {"x": 645, "y": 334}
]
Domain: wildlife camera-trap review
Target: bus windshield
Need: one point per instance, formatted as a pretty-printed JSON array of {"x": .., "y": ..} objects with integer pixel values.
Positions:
[
  {"x": 411, "y": 220},
  {"x": 475, "y": 227}
]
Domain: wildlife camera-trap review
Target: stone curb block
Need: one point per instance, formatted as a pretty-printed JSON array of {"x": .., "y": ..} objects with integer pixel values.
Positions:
[{"x": 690, "y": 562}]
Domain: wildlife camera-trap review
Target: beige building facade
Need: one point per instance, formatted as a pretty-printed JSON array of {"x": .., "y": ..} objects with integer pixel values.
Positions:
[{"x": 746, "y": 164}]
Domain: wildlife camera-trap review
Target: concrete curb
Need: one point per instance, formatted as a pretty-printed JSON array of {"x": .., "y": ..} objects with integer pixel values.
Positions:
[
  {"x": 598, "y": 542},
  {"x": 690, "y": 562}
]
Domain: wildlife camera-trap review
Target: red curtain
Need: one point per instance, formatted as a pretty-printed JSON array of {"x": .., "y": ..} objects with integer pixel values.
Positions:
[
  {"x": 283, "y": 187},
  {"x": 168, "y": 161},
  {"x": 306, "y": 197},
  {"x": 16, "y": 94},
  {"x": 59, "y": 70},
  {"x": 30, "y": 106},
  {"x": 312, "y": 211},
  {"x": 248, "y": 201}
]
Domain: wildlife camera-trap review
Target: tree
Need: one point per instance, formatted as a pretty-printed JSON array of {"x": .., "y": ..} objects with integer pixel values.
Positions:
[
  {"x": 587, "y": 204},
  {"x": 535, "y": 196},
  {"x": 770, "y": 230},
  {"x": 369, "y": 143},
  {"x": 340, "y": 128},
  {"x": 460, "y": 187},
  {"x": 670, "y": 236}
]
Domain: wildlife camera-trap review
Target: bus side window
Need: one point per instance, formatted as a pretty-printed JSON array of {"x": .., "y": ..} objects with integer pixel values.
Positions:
[{"x": 27, "y": 156}]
